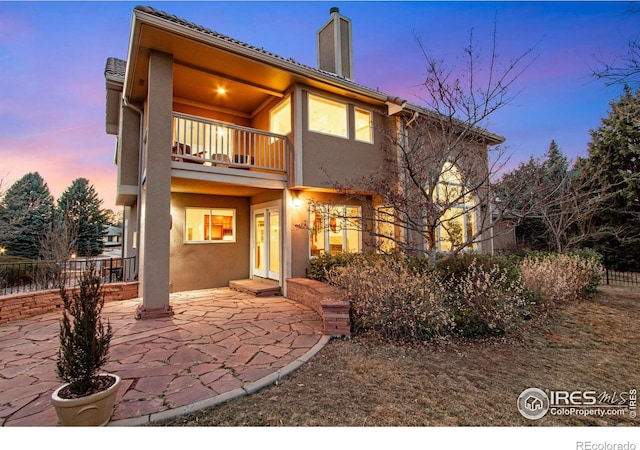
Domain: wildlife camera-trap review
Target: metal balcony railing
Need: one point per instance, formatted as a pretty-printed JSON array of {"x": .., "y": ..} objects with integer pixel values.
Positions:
[
  {"x": 43, "y": 275},
  {"x": 212, "y": 143}
]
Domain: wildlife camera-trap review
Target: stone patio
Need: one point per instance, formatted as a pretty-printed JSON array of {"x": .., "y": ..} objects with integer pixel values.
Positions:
[{"x": 219, "y": 344}]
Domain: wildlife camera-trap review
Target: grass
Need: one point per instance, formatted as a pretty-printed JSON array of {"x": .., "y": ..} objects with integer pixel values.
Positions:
[{"x": 588, "y": 345}]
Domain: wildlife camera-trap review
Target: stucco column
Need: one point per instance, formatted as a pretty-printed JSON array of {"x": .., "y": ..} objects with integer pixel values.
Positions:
[{"x": 156, "y": 196}]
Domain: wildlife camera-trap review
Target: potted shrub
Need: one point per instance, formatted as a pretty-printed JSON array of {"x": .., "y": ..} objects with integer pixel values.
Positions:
[{"x": 88, "y": 397}]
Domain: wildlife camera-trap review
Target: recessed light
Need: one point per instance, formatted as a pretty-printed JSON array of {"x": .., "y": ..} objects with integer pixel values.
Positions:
[{"x": 221, "y": 91}]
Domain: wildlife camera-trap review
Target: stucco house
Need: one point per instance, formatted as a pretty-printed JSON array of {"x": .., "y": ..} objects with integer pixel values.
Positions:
[{"x": 225, "y": 151}]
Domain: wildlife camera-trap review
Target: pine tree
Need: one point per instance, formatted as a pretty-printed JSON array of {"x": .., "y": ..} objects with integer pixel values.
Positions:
[
  {"x": 613, "y": 167},
  {"x": 81, "y": 206},
  {"x": 26, "y": 213}
]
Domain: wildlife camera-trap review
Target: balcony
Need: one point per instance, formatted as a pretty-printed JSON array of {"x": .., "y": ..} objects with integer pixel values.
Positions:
[{"x": 213, "y": 144}]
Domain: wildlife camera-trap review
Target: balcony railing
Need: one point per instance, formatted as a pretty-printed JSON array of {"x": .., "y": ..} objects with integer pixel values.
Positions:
[{"x": 212, "y": 143}]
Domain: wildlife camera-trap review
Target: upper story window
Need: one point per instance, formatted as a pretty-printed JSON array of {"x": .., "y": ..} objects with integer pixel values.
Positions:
[
  {"x": 363, "y": 126},
  {"x": 280, "y": 118},
  {"x": 210, "y": 225},
  {"x": 327, "y": 116}
]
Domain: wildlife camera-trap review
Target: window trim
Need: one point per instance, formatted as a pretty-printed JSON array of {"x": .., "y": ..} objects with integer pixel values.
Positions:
[{"x": 211, "y": 213}]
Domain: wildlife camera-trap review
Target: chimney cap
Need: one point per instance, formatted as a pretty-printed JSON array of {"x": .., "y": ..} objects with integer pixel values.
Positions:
[{"x": 334, "y": 9}]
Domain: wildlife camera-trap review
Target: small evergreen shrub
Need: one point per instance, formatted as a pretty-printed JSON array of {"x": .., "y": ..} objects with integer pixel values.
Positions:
[{"x": 84, "y": 341}]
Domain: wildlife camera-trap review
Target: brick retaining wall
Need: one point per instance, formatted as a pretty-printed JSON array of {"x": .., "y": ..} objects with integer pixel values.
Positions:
[
  {"x": 29, "y": 304},
  {"x": 328, "y": 301}
]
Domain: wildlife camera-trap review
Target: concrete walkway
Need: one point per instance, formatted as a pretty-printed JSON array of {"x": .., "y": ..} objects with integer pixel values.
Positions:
[{"x": 219, "y": 345}]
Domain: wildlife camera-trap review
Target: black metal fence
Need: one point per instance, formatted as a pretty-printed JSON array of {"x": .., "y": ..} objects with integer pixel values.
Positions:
[
  {"x": 42, "y": 275},
  {"x": 627, "y": 278}
]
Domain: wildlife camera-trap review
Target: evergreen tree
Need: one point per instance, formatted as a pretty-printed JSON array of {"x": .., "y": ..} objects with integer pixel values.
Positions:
[
  {"x": 544, "y": 198},
  {"x": 613, "y": 167},
  {"x": 80, "y": 205},
  {"x": 26, "y": 213}
]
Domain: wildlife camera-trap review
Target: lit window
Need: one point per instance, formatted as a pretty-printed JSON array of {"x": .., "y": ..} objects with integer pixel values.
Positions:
[
  {"x": 457, "y": 224},
  {"x": 363, "y": 126},
  {"x": 327, "y": 116},
  {"x": 210, "y": 225},
  {"x": 280, "y": 122},
  {"x": 334, "y": 229},
  {"x": 385, "y": 220}
]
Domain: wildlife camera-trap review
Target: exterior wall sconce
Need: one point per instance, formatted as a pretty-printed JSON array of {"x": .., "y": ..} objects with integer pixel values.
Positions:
[{"x": 296, "y": 202}]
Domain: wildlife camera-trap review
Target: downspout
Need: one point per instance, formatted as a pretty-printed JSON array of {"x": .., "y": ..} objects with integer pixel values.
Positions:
[{"x": 126, "y": 104}]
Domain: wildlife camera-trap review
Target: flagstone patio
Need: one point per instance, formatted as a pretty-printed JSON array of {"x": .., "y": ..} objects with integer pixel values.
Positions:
[{"x": 218, "y": 345}]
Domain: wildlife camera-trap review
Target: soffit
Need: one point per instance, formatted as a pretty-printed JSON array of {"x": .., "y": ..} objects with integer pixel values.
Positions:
[
  {"x": 185, "y": 185},
  {"x": 203, "y": 61}
]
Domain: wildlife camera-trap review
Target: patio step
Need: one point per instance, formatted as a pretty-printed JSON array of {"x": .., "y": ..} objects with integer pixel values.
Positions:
[{"x": 258, "y": 287}]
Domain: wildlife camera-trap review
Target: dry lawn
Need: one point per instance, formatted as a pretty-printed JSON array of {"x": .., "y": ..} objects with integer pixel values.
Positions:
[{"x": 590, "y": 345}]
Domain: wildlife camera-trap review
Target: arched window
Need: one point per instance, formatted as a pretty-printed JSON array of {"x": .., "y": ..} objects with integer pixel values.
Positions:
[{"x": 458, "y": 224}]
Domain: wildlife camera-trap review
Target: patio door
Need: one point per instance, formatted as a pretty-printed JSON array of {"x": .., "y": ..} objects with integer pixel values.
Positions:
[{"x": 266, "y": 243}]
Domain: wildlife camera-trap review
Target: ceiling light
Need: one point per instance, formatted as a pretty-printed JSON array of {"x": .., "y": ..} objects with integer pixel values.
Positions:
[{"x": 221, "y": 91}]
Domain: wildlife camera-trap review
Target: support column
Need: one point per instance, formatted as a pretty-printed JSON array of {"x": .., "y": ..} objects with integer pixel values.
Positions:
[{"x": 155, "y": 218}]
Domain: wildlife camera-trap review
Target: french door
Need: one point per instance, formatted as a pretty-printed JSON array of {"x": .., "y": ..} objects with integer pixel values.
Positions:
[{"x": 266, "y": 243}]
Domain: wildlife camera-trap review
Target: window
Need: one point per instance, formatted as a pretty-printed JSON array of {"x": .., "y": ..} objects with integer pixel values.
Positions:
[
  {"x": 385, "y": 220},
  {"x": 334, "y": 229},
  {"x": 280, "y": 122},
  {"x": 457, "y": 224},
  {"x": 363, "y": 126},
  {"x": 327, "y": 116},
  {"x": 210, "y": 225}
]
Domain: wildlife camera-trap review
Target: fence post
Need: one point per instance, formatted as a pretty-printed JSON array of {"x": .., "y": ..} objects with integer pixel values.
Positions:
[
  {"x": 606, "y": 271},
  {"x": 110, "y": 270}
]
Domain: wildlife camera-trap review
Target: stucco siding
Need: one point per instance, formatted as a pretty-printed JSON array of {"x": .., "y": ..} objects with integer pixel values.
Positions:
[{"x": 208, "y": 265}]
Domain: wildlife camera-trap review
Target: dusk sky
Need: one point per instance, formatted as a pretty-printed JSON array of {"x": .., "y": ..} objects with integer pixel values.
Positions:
[{"x": 52, "y": 58}]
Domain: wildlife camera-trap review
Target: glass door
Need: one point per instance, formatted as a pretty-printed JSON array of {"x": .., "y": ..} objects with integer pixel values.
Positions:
[{"x": 266, "y": 246}]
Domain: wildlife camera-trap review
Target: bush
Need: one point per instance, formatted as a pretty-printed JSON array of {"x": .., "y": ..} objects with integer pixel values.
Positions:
[
  {"x": 486, "y": 299},
  {"x": 320, "y": 266},
  {"x": 397, "y": 299},
  {"x": 459, "y": 265},
  {"x": 84, "y": 341},
  {"x": 558, "y": 278},
  {"x": 391, "y": 300}
]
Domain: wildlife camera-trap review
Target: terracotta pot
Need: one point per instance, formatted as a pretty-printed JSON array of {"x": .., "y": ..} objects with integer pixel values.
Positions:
[{"x": 92, "y": 410}]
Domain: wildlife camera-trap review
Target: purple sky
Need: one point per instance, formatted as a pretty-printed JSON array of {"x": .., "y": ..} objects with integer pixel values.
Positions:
[{"x": 52, "y": 56}]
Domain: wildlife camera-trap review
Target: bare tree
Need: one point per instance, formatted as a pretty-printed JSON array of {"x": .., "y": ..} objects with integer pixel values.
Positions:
[
  {"x": 624, "y": 69},
  {"x": 434, "y": 188},
  {"x": 562, "y": 199},
  {"x": 56, "y": 247}
]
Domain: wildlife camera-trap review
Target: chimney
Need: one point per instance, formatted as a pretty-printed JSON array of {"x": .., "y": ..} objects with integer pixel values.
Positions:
[{"x": 334, "y": 45}]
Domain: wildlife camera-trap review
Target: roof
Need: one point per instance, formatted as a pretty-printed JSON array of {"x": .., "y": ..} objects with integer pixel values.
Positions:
[{"x": 115, "y": 69}]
